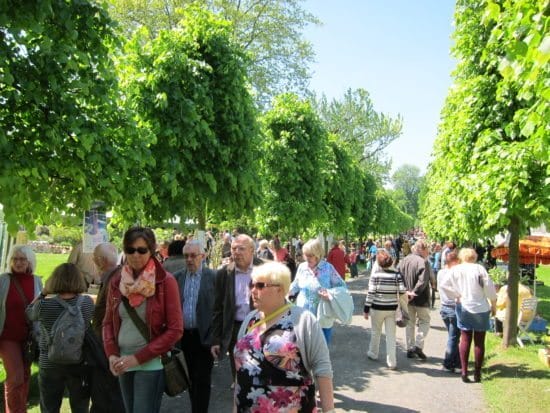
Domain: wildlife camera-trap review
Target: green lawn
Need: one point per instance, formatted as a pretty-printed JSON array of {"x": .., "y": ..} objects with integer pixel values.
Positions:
[
  {"x": 514, "y": 378},
  {"x": 45, "y": 263}
]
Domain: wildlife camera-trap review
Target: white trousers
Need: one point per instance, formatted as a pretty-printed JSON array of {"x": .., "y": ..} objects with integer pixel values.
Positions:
[
  {"x": 377, "y": 319},
  {"x": 420, "y": 316}
]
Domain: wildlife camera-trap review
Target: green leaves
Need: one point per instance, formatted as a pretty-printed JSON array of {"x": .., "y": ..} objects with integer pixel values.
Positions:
[
  {"x": 189, "y": 85},
  {"x": 492, "y": 154},
  {"x": 65, "y": 135}
]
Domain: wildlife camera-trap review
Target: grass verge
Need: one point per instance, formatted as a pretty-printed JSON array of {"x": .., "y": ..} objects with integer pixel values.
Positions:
[{"x": 46, "y": 263}]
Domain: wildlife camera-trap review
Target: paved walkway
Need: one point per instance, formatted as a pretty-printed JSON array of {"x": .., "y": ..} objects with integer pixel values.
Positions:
[{"x": 363, "y": 385}]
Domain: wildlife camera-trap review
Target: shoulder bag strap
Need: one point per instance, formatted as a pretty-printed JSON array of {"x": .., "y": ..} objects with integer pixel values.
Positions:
[{"x": 138, "y": 322}]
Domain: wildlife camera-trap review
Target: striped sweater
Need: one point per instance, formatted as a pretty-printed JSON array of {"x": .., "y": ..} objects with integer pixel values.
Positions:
[
  {"x": 383, "y": 288},
  {"x": 46, "y": 311}
]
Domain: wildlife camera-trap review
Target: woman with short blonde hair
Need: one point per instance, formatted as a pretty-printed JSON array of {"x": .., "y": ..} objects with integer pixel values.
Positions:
[{"x": 280, "y": 351}]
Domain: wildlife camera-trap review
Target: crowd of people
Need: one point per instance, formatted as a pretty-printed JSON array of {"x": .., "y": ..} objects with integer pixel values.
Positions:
[{"x": 270, "y": 307}]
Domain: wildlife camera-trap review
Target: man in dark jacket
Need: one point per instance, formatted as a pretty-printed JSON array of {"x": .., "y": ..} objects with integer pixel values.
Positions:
[
  {"x": 416, "y": 273},
  {"x": 232, "y": 297},
  {"x": 196, "y": 284}
]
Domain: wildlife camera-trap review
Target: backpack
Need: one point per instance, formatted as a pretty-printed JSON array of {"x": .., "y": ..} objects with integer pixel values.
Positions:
[{"x": 67, "y": 334}]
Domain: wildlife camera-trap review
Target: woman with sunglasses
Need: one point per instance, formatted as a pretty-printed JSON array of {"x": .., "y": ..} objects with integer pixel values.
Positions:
[
  {"x": 280, "y": 350},
  {"x": 18, "y": 288},
  {"x": 314, "y": 277},
  {"x": 142, "y": 292}
]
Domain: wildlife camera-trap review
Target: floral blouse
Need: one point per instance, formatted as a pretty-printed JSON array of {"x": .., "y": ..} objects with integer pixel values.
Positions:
[
  {"x": 271, "y": 376},
  {"x": 308, "y": 282}
]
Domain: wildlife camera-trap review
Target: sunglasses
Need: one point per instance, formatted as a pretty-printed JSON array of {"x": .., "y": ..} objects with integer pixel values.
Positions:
[
  {"x": 139, "y": 250},
  {"x": 261, "y": 285},
  {"x": 192, "y": 256}
]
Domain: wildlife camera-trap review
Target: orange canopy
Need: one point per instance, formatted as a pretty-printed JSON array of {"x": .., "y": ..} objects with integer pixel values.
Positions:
[{"x": 534, "y": 249}]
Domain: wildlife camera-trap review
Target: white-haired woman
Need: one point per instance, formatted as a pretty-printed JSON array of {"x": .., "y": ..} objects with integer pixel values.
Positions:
[
  {"x": 280, "y": 351},
  {"x": 313, "y": 278},
  {"x": 18, "y": 288}
]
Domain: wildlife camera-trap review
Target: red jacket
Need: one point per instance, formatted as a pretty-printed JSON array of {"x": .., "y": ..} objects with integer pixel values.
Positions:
[
  {"x": 163, "y": 317},
  {"x": 337, "y": 258}
]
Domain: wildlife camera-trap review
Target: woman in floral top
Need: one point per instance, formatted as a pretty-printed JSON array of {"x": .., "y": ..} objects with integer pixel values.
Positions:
[
  {"x": 279, "y": 351},
  {"x": 313, "y": 278}
]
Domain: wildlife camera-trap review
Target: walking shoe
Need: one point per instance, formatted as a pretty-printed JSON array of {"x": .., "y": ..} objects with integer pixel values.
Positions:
[
  {"x": 477, "y": 377},
  {"x": 420, "y": 353},
  {"x": 449, "y": 370},
  {"x": 371, "y": 356},
  {"x": 465, "y": 379},
  {"x": 411, "y": 354}
]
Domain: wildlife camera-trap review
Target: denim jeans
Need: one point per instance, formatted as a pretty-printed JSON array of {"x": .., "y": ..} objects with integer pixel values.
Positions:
[
  {"x": 327, "y": 332},
  {"x": 52, "y": 383},
  {"x": 452, "y": 357},
  {"x": 142, "y": 390}
]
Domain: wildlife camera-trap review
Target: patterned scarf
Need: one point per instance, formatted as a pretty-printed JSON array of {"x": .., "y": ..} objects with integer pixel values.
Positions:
[{"x": 137, "y": 290}]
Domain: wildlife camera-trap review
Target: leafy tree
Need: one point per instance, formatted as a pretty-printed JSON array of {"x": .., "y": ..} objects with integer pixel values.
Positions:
[
  {"x": 386, "y": 216},
  {"x": 407, "y": 182},
  {"x": 293, "y": 167},
  {"x": 491, "y": 170},
  {"x": 269, "y": 31},
  {"x": 189, "y": 86},
  {"x": 344, "y": 193},
  {"x": 354, "y": 120},
  {"x": 63, "y": 139}
]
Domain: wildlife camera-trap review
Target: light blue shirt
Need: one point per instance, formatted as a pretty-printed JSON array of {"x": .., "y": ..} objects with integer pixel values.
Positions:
[
  {"x": 190, "y": 298},
  {"x": 242, "y": 293},
  {"x": 309, "y": 281}
]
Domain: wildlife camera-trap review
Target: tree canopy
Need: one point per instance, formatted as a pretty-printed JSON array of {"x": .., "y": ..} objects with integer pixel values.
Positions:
[
  {"x": 189, "y": 86},
  {"x": 59, "y": 111},
  {"x": 407, "y": 184},
  {"x": 491, "y": 170},
  {"x": 354, "y": 120},
  {"x": 269, "y": 31},
  {"x": 293, "y": 165}
]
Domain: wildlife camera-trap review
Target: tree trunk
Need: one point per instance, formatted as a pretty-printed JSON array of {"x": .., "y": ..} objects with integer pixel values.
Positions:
[
  {"x": 201, "y": 217},
  {"x": 511, "y": 320}
]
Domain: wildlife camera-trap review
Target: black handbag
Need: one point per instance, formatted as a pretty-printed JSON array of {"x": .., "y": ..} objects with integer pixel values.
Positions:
[
  {"x": 176, "y": 373},
  {"x": 31, "y": 350}
]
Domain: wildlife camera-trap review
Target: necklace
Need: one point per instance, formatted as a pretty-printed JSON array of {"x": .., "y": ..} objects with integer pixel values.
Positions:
[{"x": 269, "y": 317}]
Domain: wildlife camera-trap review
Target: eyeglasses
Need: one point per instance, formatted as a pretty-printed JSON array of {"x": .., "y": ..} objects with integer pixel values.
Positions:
[
  {"x": 261, "y": 285},
  {"x": 139, "y": 250},
  {"x": 192, "y": 256},
  {"x": 239, "y": 248}
]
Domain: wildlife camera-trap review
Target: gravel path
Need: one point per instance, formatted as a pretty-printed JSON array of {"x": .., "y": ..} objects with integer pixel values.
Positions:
[{"x": 363, "y": 385}]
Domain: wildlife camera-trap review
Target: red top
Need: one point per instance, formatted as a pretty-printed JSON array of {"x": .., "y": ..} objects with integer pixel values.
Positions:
[
  {"x": 15, "y": 326},
  {"x": 163, "y": 314},
  {"x": 281, "y": 254},
  {"x": 337, "y": 258}
]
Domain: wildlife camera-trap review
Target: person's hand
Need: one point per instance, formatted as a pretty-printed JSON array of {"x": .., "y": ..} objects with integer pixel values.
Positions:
[
  {"x": 215, "y": 351},
  {"x": 366, "y": 315},
  {"x": 123, "y": 363},
  {"x": 323, "y": 293},
  {"x": 113, "y": 362},
  {"x": 410, "y": 295}
]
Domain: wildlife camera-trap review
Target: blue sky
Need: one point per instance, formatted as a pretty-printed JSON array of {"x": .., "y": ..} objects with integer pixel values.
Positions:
[{"x": 399, "y": 51}]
